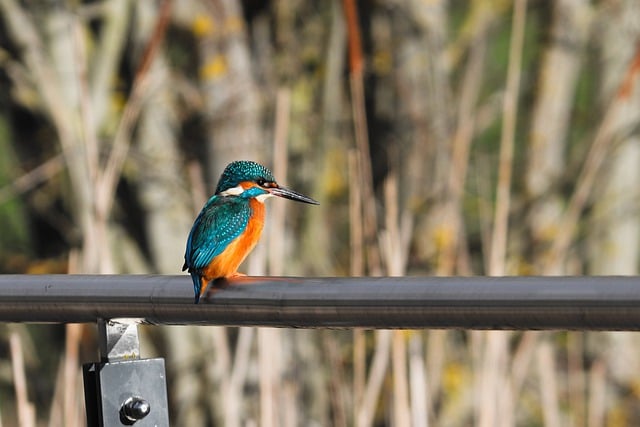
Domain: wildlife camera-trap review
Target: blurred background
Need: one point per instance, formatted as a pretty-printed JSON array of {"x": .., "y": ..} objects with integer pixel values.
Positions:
[{"x": 441, "y": 137}]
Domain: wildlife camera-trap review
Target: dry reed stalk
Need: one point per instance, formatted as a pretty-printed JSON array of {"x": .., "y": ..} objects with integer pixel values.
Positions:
[
  {"x": 418, "y": 382},
  {"x": 89, "y": 131},
  {"x": 365, "y": 182},
  {"x": 356, "y": 269},
  {"x": 115, "y": 21},
  {"x": 597, "y": 394},
  {"x": 461, "y": 145},
  {"x": 71, "y": 396},
  {"x": 364, "y": 406},
  {"x": 576, "y": 378},
  {"x": 401, "y": 406},
  {"x": 377, "y": 373},
  {"x": 69, "y": 370},
  {"x": 277, "y": 230},
  {"x": 517, "y": 372},
  {"x": 235, "y": 382},
  {"x": 497, "y": 400},
  {"x": 220, "y": 368},
  {"x": 271, "y": 340},
  {"x": 359, "y": 370},
  {"x": 485, "y": 212},
  {"x": 476, "y": 356},
  {"x": 548, "y": 384},
  {"x": 521, "y": 360},
  {"x": 396, "y": 238},
  {"x": 493, "y": 380},
  {"x": 498, "y": 252},
  {"x": 101, "y": 259},
  {"x": 56, "y": 419},
  {"x": 396, "y": 246},
  {"x": 289, "y": 409},
  {"x": 337, "y": 380},
  {"x": 217, "y": 334},
  {"x": 269, "y": 345},
  {"x": 25, "y": 409},
  {"x": 435, "y": 361},
  {"x": 356, "y": 236}
]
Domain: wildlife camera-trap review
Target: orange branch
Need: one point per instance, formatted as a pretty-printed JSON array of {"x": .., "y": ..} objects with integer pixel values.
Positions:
[
  {"x": 156, "y": 38},
  {"x": 353, "y": 31},
  {"x": 626, "y": 87}
]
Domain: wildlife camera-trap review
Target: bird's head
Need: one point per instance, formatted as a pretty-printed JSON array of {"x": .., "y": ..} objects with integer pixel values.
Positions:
[{"x": 247, "y": 179}]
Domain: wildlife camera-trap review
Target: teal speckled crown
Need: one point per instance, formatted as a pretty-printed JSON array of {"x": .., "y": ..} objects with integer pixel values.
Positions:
[{"x": 242, "y": 170}]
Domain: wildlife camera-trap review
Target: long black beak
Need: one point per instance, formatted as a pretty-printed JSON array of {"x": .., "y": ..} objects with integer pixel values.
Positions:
[{"x": 292, "y": 195}]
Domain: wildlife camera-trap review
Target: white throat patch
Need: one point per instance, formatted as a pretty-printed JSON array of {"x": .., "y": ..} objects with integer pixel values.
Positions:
[{"x": 261, "y": 198}]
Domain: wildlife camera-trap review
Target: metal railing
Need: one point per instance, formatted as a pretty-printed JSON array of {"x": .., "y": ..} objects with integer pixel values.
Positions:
[
  {"x": 586, "y": 303},
  {"x": 123, "y": 389}
]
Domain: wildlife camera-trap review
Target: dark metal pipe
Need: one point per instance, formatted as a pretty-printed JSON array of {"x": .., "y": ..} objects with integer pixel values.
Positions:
[{"x": 587, "y": 303}]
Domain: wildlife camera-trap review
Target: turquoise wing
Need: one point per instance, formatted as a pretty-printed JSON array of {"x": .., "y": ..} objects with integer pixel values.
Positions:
[{"x": 221, "y": 220}]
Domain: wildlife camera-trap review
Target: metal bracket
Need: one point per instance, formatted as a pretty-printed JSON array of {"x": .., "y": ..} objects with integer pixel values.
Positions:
[
  {"x": 122, "y": 389},
  {"x": 118, "y": 340}
]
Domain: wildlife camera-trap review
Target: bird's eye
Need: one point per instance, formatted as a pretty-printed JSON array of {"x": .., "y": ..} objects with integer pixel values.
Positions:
[{"x": 261, "y": 182}]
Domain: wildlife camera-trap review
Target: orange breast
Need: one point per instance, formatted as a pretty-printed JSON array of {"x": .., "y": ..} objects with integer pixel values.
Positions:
[{"x": 226, "y": 264}]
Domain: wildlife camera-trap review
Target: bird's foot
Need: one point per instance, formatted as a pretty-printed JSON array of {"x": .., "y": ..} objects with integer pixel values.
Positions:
[{"x": 240, "y": 278}]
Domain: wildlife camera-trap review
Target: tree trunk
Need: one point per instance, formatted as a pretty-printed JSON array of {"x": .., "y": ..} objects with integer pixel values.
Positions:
[
  {"x": 161, "y": 182},
  {"x": 232, "y": 102},
  {"x": 548, "y": 135},
  {"x": 614, "y": 240}
]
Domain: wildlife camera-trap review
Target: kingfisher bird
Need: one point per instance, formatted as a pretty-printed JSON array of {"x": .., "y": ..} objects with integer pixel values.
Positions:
[{"x": 230, "y": 223}]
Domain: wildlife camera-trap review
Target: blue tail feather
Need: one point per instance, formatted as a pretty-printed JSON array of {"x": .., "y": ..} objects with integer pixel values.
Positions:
[{"x": 196, "y": 285}]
